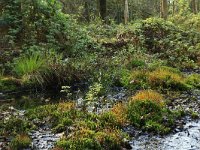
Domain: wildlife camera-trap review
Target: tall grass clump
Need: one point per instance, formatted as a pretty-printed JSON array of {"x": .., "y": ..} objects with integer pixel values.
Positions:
[
  {"x": 28, "y": 65},
  {"x": 32, "y": 68}
]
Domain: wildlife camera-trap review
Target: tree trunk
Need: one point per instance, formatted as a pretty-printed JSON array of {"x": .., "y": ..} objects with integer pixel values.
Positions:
[
  {"x": 194, "y": 7},
  {"x": 126, "y": 12},
  {"x": 103, "y": 9},
  {"x": 164, "y": 9},
  {"x": 87, "y": 12},
  {"x": 174, "y": 7},
  {"x": 198, "y": 5}
]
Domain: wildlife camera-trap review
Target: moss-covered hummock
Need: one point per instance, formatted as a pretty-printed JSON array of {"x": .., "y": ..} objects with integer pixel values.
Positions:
[
  {"x": 161, "y": 78},
  {"x": 147, "y": 110}
]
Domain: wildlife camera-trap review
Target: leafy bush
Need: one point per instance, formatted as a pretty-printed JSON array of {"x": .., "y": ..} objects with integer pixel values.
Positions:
[
  {"x": 137, "y": 63},
  {"x": 187, "y": 22},
  {"x": 165, "y": 40},
  {"x": 139, "y": 112},
  {"x": 136, "y": 79}
]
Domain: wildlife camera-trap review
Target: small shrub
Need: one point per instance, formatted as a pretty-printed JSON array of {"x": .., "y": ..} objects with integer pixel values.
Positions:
[
  {"x": 17, "y": 125},
  {"x": 110, "y": 139},
  {"x": 94, "y": 91},
  {"x": 20, "y": 142},
  {"x": 62, "y": 144}
]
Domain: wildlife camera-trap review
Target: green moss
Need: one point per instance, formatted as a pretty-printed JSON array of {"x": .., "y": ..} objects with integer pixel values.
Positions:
[
  {"x": 88, "y": 139},
  {"x": 193, "y": 80},
  {"x": 137, "y": 63},
  {"x": 139, "y": 112},
  {"x": 62, "y": 143},
  {"x": 9, "y": 84},
  {"x": 16, "y": 125},
  {"x": 153, "y": 126},
  {"x": 151, "y": 116},
  {"x": 20, "y": 142},
  {"x": 194, "y": 115},
  {"x": 159, "y": 78}
]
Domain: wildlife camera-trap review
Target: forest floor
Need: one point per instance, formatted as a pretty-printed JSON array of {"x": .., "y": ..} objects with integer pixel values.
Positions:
[{"x": 185, "y": 135}]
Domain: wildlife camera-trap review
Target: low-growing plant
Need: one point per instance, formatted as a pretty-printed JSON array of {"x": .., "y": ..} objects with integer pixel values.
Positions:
[
  {"x": 88, "y": 139},
  {"x": 21, "y": 141},
  {"x": 32, "y": 69},
  {"x": 17, "y": 125},
  {"x": 10, "y": 84},
  {"x": 137, "y": 63},
  {"x": 139, "y": 112},
  {"x": 166, "y": 78},
  {"x": 149, "y": 95},
  {"x": 147, "y": 110},
  {"x": 120, "y": 112},
  {"x": 138, "y": 79},
  {"x": 193, "y": 80},
  {"x": 157, "y": 78}
]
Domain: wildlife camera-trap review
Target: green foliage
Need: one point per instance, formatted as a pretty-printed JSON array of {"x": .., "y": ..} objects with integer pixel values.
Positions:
[
  {"x": 187, "y": 22},
  {"x": 32, "y": 69},
  {"x": 141, "y": 111},
  {"x": 137, "y": 63},
  {"x": 88, "y": 139},
  {"x": 167, "y": 78},
  {"x": 16, "y": 125},
  {"x": 193, "y": 80},
  {"x": 94, "y": 91},
  {"x": 28, "y": 65},
  {"x": 20, "y": 142},
  {"x": 161, "y": 77},
  {"x": 149, "y": 115},
  {"x": 165, "y": 40},
  {"x": 90, "y": 131},
  {"x": 9, "y": 84},
  {"x": 43, "y": 24}
]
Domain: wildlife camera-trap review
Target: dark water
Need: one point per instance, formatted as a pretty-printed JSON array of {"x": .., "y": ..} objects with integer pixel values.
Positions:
[{"x": 186, "y": 138}]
